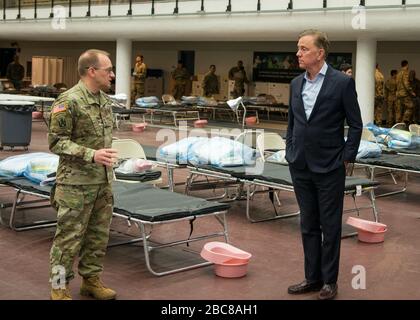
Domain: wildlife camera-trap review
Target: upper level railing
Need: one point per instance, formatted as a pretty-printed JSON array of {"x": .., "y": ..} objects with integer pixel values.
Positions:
[{"x": 18, "y": 6}]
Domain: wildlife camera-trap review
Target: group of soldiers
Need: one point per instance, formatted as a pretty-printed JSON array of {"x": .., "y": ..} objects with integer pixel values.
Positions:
[
  {"x": 210, "y": 82},
  {"x": 401, "y": 94},
  {"x": 181, "y": 76}
]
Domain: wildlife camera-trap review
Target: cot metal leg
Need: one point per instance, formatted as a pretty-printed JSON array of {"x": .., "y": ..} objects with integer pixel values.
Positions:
[
  {"x": 275, "y": 217},
  {"x": 33, "y": 225},
  {"x": 147, "y": 249},
  {"x": 373, "y": 201},
  {"x": 357, "y": 209},
  {"x": 171, "y": 178},
  {"x": 404, "y": 188}
]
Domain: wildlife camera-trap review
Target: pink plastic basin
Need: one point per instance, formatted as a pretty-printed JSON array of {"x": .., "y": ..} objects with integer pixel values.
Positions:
[
  {"x": 142, "y": 165},
  {"x": 139, "y": 127},
  {"x": 200, "y": 123},
  {"x": 221, "y": 252},
  {"x": 231, "y": 270},
  {"x": 366, "y": 225},
  {"x": 36, "y": 115},
  {"x": 251, "y": 120},
  {"x": 371, "y": 237}
]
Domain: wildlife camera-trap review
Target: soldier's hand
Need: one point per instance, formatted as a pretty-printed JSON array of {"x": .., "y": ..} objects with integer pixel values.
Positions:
[{"x": 106, "y": 157}]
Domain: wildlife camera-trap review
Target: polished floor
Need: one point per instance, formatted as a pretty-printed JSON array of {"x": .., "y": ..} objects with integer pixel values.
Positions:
[{"x": 392, "y": 268}]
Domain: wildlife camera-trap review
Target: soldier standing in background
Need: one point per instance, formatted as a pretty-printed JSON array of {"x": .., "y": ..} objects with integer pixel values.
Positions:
[
  {"x": 139, "y": 74},
  {"x": 347, "y": 69},
  {"x": 405, "y": 95},
  {"x": 15, "y": 73},
  {"x": 238, "y": 74},
  {"x": 415, "y": 84},
  {"x": 379, "y": 95},
  {"x": 80, "y": 132},
  {"x": 181, "y": 76},
  {"x": 391, "y": 97},
  {"x": 210, "y": 82}
]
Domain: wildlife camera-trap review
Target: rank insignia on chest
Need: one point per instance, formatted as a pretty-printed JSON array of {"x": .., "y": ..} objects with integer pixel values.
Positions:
[{"x": 59, "y": 108}]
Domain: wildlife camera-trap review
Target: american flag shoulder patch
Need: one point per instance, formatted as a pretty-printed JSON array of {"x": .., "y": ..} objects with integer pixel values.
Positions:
[{"x": 59, "y": 108}]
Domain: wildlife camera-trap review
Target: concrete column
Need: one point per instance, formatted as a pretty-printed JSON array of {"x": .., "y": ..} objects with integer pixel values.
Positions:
[
  {"x": 123, "y": 69},
  {"x": 365, "y": 77}
]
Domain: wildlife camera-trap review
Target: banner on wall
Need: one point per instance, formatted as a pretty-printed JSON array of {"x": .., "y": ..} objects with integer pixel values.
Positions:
[{"x": 283, "y": 66}]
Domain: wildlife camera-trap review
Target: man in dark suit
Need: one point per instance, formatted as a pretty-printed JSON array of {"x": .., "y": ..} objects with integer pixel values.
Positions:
[{"x": 320, "y": 100}]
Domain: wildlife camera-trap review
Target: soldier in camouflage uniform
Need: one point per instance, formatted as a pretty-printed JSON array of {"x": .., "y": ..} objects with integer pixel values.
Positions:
[
  {"x": 379, "y": 95},
  {"x": 139, "y": 75},
  {"x": 391, "y": 97},
  {"x": 238, "y": 74},
  {"x": 210, "y": 82},
  {"x": 405, "y": 95},
  {"x": 80, "y": 132},
  {"x": 181, "y": 76}
]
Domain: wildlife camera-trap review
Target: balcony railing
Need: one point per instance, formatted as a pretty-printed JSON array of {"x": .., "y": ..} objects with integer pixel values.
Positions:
[{"x": 12, "y": 9}]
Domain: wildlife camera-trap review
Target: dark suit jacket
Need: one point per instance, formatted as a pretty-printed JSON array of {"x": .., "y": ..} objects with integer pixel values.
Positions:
[{"x": 318, "y": 142}]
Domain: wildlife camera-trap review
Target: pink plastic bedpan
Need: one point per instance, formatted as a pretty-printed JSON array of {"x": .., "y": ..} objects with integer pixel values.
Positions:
[
  {"x": 139, "y": 127},
  {"x": 221, "y": 252},
  {"x": 231, "y": 269},
  {"x": 371, "y": 237},
  {"x": 251, "y": 121},
  {"x": 36, "y": 115},
  {"x": 142, "y": 165},
  {"x": 366, "y": 225},
  {"x": 200, "y": 123},
  {"x": 368, "y": 231}
]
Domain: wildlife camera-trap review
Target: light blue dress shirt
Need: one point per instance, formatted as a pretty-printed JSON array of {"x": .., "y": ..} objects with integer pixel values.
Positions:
[{"x": 311, "y": 89}]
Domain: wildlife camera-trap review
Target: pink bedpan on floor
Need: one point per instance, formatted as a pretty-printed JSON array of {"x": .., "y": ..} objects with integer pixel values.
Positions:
[
  {"x": 200, "y": 123},
  {"x": 251, "y": 120},
  {"x": 368, "y": 231},
  {"x": 229, "y": 261},
  {"x": 36, "y": 115},
  {"x": 139, "y": 127}
]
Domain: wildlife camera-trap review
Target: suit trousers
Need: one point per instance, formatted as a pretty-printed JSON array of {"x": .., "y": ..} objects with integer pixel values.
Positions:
[{"x": 320, "y": 198}]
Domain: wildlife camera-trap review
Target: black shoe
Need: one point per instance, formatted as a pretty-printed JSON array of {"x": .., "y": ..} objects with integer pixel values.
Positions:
[
  {"x": 328, "y": 292},
  {"x": 305, "y": 287}
]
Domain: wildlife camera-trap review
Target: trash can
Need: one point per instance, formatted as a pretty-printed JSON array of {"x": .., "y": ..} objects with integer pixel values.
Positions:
[{"x": 16, "y": 123}]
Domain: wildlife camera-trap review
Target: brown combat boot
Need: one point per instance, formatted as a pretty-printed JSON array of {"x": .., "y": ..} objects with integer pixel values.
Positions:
[
  {"x": 60, "y": 294},
  {"x": 94, "y": 287}
]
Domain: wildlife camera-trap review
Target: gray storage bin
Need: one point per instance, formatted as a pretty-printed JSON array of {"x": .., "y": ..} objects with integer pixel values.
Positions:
[{"x": 15, "y": 123}]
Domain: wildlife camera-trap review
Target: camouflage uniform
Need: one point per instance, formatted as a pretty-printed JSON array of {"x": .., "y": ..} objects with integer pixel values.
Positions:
[
  {"x": 140, "y": 71},
  {"x": 391, "y": 98},
  {"x": 239, "y": 75},
  {"x": 405, "y": 95},
  {"x": 210, "y": 84},
  {"x": 81, "y": 123},
  {"x": 379, "y": 96},
  {"x": 181, "y": 77}
]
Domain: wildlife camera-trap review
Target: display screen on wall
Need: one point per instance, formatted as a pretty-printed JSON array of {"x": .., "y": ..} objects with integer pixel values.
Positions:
[{"x": 284, "y": 66}]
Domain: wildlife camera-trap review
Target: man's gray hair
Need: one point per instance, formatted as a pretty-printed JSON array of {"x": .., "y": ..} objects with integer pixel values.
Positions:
[
  {"x": 321, "y": 39},
  {"x": 89, "y": 58}
]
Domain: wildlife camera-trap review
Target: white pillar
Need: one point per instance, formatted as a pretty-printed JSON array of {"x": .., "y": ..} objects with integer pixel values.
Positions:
[
  {"x": 123, "y": 69},
  {"x": 365, "y": 77}
]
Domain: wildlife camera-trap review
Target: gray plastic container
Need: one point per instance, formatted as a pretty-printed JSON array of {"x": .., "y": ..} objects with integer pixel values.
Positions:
[{"x": 15, "y": 123}]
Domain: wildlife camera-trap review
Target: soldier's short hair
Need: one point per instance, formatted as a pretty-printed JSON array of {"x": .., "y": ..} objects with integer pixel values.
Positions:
[
  {"x": 89, "y": 58},
  {"x": 393, "y": 72},
  {"x": 345, "y": 66},
  {"x": 212, "y": 65},
  {"x": 404, "y": 63},
  {"x": 321, "y": 39}
]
